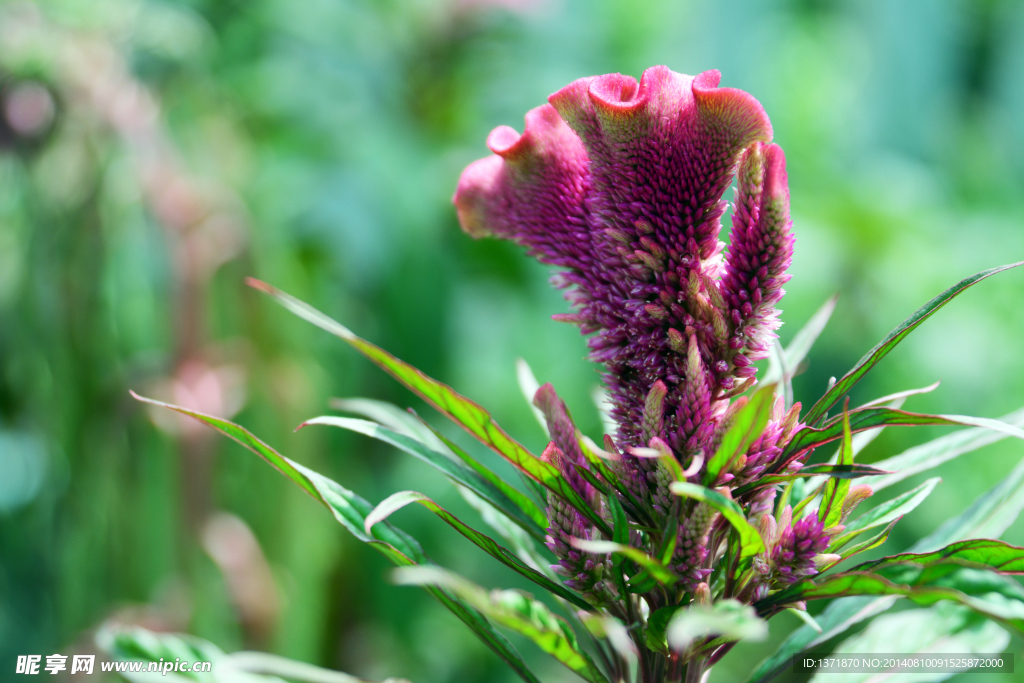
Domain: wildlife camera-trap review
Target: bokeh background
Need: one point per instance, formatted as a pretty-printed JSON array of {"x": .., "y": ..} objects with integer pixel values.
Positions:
[{"x": 153, "y": 154}]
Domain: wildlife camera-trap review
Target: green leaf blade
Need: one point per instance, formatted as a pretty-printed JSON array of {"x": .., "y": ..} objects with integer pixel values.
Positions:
[
  {"x": 516, "y": 612},
  {"x": 997, "y": 555},
  {"x": 351, "y": 511},
  {"x": 399, "y": 500},
  {"x": 748, "y": 426},
  {"x": 522, "y": 511},
  {"x": 462, "y": 411},
  {"x": 872, "y": 357},
  {"x": 751, "y": 542}
]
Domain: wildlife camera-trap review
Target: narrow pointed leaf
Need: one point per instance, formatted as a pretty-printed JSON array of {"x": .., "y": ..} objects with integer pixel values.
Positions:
[
  {"x": 598, "y": 465},
  {"x": 865, "y": 364},
  {"x": 391, "y": 416},
  {"x": 399, "y": 500},
  {"x": 1000, "y": 556},
  {"x": 654, "y": 635},
  {"x": 750, "y": 538},
  {"x": 464, "y": 412},
  {"x": 938, "y": 451},
  {"x": 868, "y": 544},
  {"x": 988, "y": 516},
  {"x": 803, "y": 616},
  {"x": 522, "y": 500},
  {"x": 837, "y": 617},
  {"x": 523, "y": 512},
  {"x": 872, "y": 418},
  {"x": 620, "y": 523},
  {"x": 351, "y": 511},
  {"x": 832, "y": 498},
  {"x": 517, "y": 612},
  {"x": 247, "y": 439},
  {"x": 986, "y": 592},
  {"x": 656, "y": 569},
  {"x": 747, "y": 427},
  {"x": 899, "y": 396},
  {"x": 804, "y": 340},
  {"x": 881, "y": 515},
  {"x": 521, "y": 543},
  {"x": 529, "y": 385},
  {"x": 853, "y": 471}
]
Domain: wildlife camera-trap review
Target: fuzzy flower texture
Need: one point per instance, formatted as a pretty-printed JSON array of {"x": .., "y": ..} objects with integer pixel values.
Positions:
[{"x": 620, "y": 186}]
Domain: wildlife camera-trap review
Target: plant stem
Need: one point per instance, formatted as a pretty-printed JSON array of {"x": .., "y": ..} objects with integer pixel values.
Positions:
[{"x": 695, "y": 671}]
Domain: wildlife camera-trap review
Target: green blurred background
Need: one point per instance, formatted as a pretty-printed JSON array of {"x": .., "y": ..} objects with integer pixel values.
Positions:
[{"x": 153, "y": 154}]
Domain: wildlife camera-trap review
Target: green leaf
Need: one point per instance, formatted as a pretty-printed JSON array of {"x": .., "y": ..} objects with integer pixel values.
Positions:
[
  {"x": 803, "y": 340},
  {"x": 831, "y": 509},
  {"x": 998, "y": 555},
  {"x": 865, "y": 364},
  {"x": 803, "y": 616},
  {"x": 465, "y": 413},
  {"x": 391, "y": 416},
  {"x": 600, "y": 466},
  {"x": 883, "y": 514},
  {"x": 938, "y": 451},
  {"x": 522, "y": 511},
  {"x": 266, "y": 663},
  {"x": 657, "y": 624},
  {"x": 518, "y": 497},
  {"x": 529, "y": 385},
  {"x": 872, "y": 542},
  {"x": 728, "y": 619},
  {"x": 136, "y": 644},
  {"x": 247, "y": 439},
  {"x": 896, "y": 400},
  {"x": 986, "y": 592},
  {"x": 990, "y": 515},
  {"x": 515, "y": 611},
  {"x": 746, "y": 428},
  {"x": 944, "y": 628},
  {"x": 351, "y": 511},
  {"x": 750, "y": 538},
  {"x": 601, "y": 626},
  {"x": 853, "y": 471},
  {"x": 397, "y": 501},
  {"x": 651, "y": 565},
  {"x": 871, "y": 418},
  {"x": 518, "y": 540},
  {"x": 620, "y": 523},
  {"x": 838, "y": 616}
]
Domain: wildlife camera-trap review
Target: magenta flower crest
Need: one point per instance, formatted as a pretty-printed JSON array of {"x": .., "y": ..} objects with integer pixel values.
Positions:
[{"x": 621, "y": 184}]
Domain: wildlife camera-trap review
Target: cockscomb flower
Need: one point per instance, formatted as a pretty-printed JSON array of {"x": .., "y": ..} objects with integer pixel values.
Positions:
[{"x": 620, "y": 184}]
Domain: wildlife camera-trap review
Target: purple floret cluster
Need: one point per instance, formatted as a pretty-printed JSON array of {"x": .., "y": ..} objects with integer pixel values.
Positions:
[{"x": 620, "y": 185}]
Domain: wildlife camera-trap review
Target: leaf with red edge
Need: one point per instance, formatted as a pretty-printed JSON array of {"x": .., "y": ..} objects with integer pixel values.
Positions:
[
  {"x": 462, "y": 411},
  {"x": 872, "y": 418},
  {"x": 872, "y": 357},
  {"x": 998, "y": 555},
  {"x": 351, "y": 511}
]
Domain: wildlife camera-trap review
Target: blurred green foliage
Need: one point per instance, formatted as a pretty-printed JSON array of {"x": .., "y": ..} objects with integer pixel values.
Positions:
[{"x": 152, "y": 154}]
